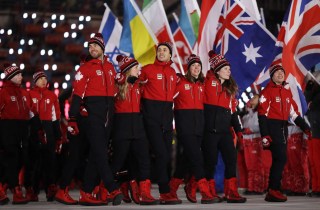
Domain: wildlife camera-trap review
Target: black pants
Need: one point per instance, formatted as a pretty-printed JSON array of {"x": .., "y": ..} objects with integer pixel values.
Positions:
[
  {"x": 138, "y": 148},
  {"x": 158, "y": 117},
  {"x": 14, "y": 134},
  {"x": 279, "y": 135},
  {"x": 223, "y": 142},
  {"x": 98, "y": 134},
  {"x": 77, "y": 154},
  {"x": 192, "y": 154}
]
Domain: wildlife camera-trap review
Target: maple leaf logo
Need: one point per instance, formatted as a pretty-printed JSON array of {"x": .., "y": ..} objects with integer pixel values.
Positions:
[
  {"x": 262, "y": 99},
  {"x": 78, "y": 76}
]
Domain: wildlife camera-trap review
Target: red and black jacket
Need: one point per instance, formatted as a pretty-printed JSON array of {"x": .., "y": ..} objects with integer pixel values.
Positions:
[
  {"x": 159, "y": 81},
  {"x": 93, "y": 80},
  {"x": 276, "y": 106},
  {"x": 45, "y": 103},
  {"x": 219, "y": 107},
  {"x": 14, "y": 102},
  {"x": 188, "y": 107},
  {"x": 128, "y": 122}
]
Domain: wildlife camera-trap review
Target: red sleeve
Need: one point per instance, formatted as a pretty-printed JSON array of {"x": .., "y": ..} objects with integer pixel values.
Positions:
[
  {"x": 57, "y": 108},
  {"x": 264, "y": 103},
  {"x": 80, "y": 82}
]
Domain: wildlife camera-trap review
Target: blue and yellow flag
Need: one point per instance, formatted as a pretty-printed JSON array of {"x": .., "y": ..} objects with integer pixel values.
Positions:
[{"x": 137, "y": 38}]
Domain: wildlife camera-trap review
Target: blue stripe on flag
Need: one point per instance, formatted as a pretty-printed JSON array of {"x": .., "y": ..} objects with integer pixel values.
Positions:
[{"x": 108, "y": 27}]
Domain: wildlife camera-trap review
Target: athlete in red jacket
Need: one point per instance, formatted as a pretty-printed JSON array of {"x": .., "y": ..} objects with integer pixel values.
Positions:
[
  {"x": 220, "y": 115},
  {"x": 128, "y": 133},
  {"x": 189, "y": 119},
  {"x": 14, "y": 119},
  {"x": 46, "y": 105},
  {"x": 159, "y": 82},
  {"x": 95, "y": 85},
  {"x": 276, "y": 106}
]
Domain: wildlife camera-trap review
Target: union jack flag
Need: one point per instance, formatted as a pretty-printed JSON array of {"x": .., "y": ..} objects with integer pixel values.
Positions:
[
  {"x": 245, "y": 42},
  {"x": 298, "y": 46},
  {"x": 299, "y": 37}
]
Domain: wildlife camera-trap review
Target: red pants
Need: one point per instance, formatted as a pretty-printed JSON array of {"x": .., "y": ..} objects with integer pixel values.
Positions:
[
  {"x": 314, "y": 160},
  {"x": 295, "y": 176}
]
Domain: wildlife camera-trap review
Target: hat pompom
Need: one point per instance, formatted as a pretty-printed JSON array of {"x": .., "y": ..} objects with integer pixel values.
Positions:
[
  {"x": 98, "y": 35},
  {"x": 211, "y": 53},
  {"x": 119, "y": 58}
]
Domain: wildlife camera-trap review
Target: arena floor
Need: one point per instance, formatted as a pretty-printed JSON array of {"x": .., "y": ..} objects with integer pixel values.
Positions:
[{"x": 255, "y": 202}]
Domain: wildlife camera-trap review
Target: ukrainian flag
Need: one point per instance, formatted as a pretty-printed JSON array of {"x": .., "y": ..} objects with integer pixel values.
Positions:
[{"x": 137, "y": 38}]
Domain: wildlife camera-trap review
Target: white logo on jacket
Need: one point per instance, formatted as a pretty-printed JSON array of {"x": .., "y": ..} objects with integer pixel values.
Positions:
[
  {"x": 13, "y": 98},
  {"x": 78, "y": 76},
  {"x": 214, "y": 83},
  {"x": 24, "y": 98},
  {"x": 278, "y": 99},
  {"x": 159, "y": 76},
  {"x": 187, "y": 87},
  {"x": 98, "y": 72},
  {"x": 262, "y": 99},
  {"x": 34, "y": 100},
  {"x": 48, "y": 101}
]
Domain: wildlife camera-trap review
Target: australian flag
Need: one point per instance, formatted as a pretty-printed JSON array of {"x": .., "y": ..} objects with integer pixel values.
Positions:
[{"x": 245, "y": 42}]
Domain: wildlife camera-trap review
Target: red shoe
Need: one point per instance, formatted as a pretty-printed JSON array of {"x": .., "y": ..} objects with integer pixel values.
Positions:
[
  {"x": 31, "y": 195},
  {"x": 18, "y": 197},
  {"x": 212, "y": 187},
  {"x": 204, "y": 189},
  {"x": 275, "y": 196},
  {"x": 134, "y": 191},
  {"x": 103, "y": 193},
  {"x": 116, "y": 197},
  {"x": 145, "y": 195},
  {"x": 168, "y": 199},
  {"x": 233, "y": 196},
  {"x": 191, "y": 190},
  {"x": 174, "y": 186},
  {"x": 63, "y": 196},
  {"x": 124, "y": 187},
  {"x": 3, "y": 196},
  {"x": 87, "y": 199},
  {"x": 51, "y": 192}
]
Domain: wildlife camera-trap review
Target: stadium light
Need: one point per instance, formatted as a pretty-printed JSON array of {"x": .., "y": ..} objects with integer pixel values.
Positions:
[
  {"x": 22, "y": 66},
  {"x": 56, "y": 85},
  {"x": 53, "y": 16},
  {"x": 20, "y": 51},
  {"x": 66, "y": 34},
  {"x": 62, "y": 17},
  {"x": 73, "y": 26},
  {"x": 74, "y": 35},
  {"x": 2, "y": 31},
  {"x": 81, "y": 18},
  {"x": 80, "y": 27},
  {"x": 2, "y": 75},
  {"x": 67, "y": 77},
  {"x": 9, "y": 32},
  {"x": 30, "y": 42},
  {"x": 42, "y": 52},
  {"x": 50, "y": 52},
  {"x": 45, "y": 25},
  {"x": 53, "y": 25},
  {"x": 25, "y": 15},
  {"x": 11, "y": 51},
  {"x": 248, "y": 89},
  {"x": 64, "y": 85},
  {"x": 76, "y": 67},
  {"x": 46, "y": 67},
  {"x": 22, "y": 42},
  {"x": 88, "y": 18},
  {"x": 54, "y": 67},
  {"x": 34, "y": 15}
]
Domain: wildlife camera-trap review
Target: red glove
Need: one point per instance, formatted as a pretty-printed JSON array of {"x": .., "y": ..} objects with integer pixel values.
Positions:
[
  {"x": 266, "y": 142},
  {"x": 73, "y": 127},
  {"x": 308, "y": 134},
  {"x": 42, "y": 136}
]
